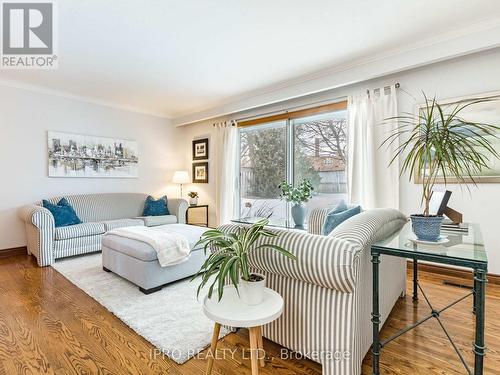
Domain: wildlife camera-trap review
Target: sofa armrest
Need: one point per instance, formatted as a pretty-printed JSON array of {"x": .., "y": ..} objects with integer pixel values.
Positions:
[
  {"x": 40, "y": 232},
  {"x": 38, "y": 216},
  {"x": 370, "y": 226},
  {"x": 178, "y": 207},
  {"x": 317, "y": 218},
  {"x": 325, "y": 261}
]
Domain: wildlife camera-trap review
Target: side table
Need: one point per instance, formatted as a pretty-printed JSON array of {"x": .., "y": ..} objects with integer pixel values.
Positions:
[
  {"x": 464, "y": 250},
  {"x": 191, "y": 207},
  {"x": 231, "y": 311}
]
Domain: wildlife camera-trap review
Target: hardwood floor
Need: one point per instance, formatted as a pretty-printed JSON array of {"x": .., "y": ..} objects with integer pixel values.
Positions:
[{"x": 49, "y": 326}]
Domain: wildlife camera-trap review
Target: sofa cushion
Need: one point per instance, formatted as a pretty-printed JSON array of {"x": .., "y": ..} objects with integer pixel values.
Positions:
[
  {"x": 155, "y": 207},
  {"x": 63, "y": 213},
  {"x": 121, "y": 223},
  {"x": 77, "y": 246},
  {"x": 78, "y": 230},
  {"x": 153, "y": 221}
]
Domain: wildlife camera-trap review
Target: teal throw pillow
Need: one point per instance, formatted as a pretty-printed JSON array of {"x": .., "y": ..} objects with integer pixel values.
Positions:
[
  {"x": 155, "y": 207},
  {"x": 63, "y": 213},
  {"x": 337, "y": 216}
]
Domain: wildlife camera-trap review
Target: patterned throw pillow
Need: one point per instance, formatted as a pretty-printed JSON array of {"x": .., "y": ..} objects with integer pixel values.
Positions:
[
  {"x": 63, "y": 213},
  {"x": 338, "y": 215},
  {"x": 155, "y": 207}
]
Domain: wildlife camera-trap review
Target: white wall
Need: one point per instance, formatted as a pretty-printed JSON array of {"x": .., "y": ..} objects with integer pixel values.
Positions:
[
  {"x": 470, "y": 75},
  {"x": 25, "y": 118},
  {"x": 473, "y": 74},
  {"x": 207, "y": 192}
]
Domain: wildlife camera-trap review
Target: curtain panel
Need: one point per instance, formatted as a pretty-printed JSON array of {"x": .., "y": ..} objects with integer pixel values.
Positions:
[
  {"x": 372, "y": 182},
  {"x": 227, "y": 166}
]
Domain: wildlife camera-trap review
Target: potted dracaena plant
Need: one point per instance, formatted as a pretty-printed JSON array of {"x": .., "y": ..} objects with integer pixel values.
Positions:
[
  {"x": 439, "y": 145},
  {"x": 297, "y": 195},
  {"x": 229, "y": 261}
]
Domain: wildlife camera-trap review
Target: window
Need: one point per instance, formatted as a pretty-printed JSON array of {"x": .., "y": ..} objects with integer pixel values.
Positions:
[
  {"x": 263, "y": 166},
  {"x": 308, "y": 144},
  {"x": 320, "y": 152}
]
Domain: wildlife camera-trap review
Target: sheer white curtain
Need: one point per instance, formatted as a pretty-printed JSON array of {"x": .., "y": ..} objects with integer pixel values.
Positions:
[
  {"x": 227, "y": 167},
  {"x": 372, "y": 182}
]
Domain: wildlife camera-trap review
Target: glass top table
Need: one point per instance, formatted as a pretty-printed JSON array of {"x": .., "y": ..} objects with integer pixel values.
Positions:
[
  {"x": 458, "y": 249},
  {"x": 461, "y": 249}
]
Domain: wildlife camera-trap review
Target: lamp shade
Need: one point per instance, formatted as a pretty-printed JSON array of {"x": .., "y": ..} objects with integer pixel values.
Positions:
[{"x": 180, "y": 177}]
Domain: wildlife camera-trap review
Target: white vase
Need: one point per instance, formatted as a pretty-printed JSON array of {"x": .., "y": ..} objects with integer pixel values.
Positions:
[
  {"x": 252, "y": 292},
  {"x": 193, "y": 201}
]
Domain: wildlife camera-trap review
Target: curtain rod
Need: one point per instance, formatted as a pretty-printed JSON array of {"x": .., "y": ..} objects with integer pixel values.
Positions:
[
  {"x": 224, "y": 123},
  {"x": 304, "y": 106}
]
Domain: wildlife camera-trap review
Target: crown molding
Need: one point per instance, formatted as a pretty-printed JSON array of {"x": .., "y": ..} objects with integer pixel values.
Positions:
[
  {"x": 473, "y": 38},
  {"x": 79, "y": 98}
]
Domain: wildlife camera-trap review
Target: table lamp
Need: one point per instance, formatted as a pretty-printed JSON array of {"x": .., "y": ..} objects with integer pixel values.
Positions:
[{"x": 180, "y": 177}]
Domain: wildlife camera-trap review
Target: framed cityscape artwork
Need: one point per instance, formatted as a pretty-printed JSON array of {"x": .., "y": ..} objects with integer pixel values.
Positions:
[
  {"x": 77, "y": 155},
  {"x": 200, "y": 173},
  {"x": 200, "y": 149}
]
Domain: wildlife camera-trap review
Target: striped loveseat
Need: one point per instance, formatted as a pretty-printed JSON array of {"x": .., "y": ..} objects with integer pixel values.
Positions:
[
  {"x": 327, "y": 290},
  {"x": 99, "y": 213}
]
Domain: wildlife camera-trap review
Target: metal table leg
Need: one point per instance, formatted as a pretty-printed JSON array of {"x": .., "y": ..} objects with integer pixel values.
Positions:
[
  {"x": 479, "y": 347},
  {"x": 415, "y": 280},
  {"x": 474, "y": 288},
  {"x": 375, "y": 315}
]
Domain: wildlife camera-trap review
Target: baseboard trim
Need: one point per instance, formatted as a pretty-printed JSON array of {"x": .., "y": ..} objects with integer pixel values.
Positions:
[
  {"x": 5, "y": 253},
  {"x": 452, "y": 272}
]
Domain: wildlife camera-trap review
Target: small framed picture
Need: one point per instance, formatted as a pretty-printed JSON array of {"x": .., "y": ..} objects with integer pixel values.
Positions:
[
  {"x": 200, "y": 173},
  {"x": 200, "y": 149}
]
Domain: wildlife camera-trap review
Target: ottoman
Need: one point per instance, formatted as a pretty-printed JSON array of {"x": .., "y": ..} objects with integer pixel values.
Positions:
[{"x": 137, "y": 261}]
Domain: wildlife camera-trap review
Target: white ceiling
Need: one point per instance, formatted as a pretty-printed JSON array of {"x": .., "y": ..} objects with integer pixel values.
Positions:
[{"x": 173, "y": 58}]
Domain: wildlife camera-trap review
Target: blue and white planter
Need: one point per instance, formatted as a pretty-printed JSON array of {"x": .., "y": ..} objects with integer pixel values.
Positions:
[{"x": 427, "y": 228}]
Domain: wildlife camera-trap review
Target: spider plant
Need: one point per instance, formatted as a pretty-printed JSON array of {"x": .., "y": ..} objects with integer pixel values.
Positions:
[
  {"x": 438, "y": 143},
  {"x": 229, "y": 259}
]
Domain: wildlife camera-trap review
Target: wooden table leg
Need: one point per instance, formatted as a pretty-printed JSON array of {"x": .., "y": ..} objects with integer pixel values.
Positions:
[
  {"x": 213, "y": 348},
  {"x": 254, "y": 349},
  {"x": 261, "y": 351}
]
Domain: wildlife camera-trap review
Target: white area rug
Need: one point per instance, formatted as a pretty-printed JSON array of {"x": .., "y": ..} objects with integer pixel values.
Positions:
[{"x": 171, "y": 319}]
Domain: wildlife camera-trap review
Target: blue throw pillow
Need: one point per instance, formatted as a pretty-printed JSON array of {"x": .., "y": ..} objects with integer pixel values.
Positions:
[
  {"x": 336, "y": 217},
  {"x": 63, "y": 213},
  {"x": 341, "y": 206},
  {"x": 155, "y": 207}
]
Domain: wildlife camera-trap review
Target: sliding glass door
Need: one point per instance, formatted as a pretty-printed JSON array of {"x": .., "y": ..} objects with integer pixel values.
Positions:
[
  {"x": 312, "y": 146},
  {"x": 320, "y": 155},
  {"x": 263, "y": 166}
]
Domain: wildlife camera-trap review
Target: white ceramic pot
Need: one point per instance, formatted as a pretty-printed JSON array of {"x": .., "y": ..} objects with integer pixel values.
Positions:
[
  {"x": 252, "y": 292},
  {"x": 193, "y": 201}
]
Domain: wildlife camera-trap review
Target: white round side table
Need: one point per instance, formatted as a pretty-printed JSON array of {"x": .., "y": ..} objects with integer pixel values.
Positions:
[{"x": 231, "y": 311}]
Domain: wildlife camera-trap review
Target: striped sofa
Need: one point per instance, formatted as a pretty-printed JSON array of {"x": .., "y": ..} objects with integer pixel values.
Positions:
[
  {"x": 99, "y": 213},
  {"x": 327, "y": 290}
]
